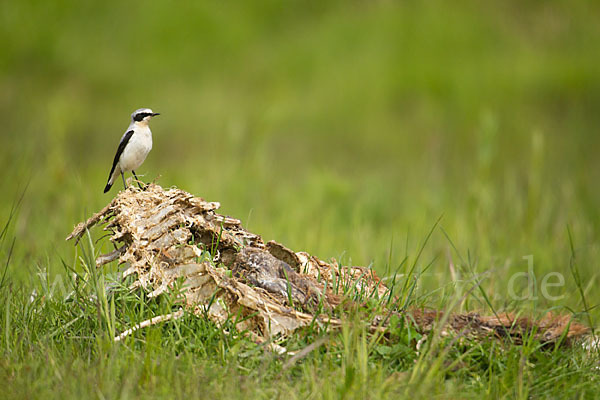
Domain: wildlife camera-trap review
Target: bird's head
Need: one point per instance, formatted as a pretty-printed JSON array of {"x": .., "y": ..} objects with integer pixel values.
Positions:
[{"x": 142, "y": 116}]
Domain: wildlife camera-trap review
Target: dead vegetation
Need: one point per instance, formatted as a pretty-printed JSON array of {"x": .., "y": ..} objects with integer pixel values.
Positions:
[{"x": 162, "y": 236}]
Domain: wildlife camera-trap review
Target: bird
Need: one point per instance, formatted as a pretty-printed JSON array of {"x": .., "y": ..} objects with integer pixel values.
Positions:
[{"x": 133, "y": 148}]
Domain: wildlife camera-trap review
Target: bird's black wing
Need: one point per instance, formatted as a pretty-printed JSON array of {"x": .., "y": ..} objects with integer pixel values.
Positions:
[{"x": 122, "y": 144}]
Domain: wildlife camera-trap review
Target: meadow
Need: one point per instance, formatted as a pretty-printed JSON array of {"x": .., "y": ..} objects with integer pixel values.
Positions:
[{"x": 345, "y": 129}]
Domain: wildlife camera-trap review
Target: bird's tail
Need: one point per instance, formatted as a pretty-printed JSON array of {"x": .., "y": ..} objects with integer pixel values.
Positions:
[
  {"x": 107, "y": 187},
  {"x": 111, "y": 179}
]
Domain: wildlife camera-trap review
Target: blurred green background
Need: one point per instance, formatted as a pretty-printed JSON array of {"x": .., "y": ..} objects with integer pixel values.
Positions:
[{"x": 343, "y": 128}]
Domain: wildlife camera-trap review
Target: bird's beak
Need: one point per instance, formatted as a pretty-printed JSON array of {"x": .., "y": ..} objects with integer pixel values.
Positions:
[{"x": 155, "y": 114}]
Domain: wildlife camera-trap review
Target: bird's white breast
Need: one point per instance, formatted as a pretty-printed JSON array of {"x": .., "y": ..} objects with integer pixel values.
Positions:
[{"x": 137, "y": 149}]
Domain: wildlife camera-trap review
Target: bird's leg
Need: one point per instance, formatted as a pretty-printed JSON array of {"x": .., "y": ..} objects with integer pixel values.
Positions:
[
  {"x": 123, "y": 176},
  {"x": 138, "y": 181}
]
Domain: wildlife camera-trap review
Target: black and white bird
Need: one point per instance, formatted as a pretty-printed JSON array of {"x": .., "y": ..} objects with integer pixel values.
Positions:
[{"x": 133, "y": 148}]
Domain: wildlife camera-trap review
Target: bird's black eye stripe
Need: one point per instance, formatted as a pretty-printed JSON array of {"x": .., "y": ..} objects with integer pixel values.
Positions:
[{"x": 141, "y": 116}]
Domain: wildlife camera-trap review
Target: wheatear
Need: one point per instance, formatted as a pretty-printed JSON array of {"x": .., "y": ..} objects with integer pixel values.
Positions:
[{"x": 134, "y": 146}]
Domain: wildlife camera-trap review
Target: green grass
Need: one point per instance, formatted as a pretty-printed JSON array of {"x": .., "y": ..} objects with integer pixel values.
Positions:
[{"x": 342, "y": 128}]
